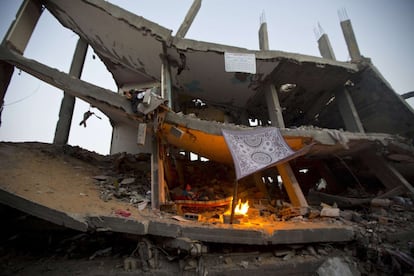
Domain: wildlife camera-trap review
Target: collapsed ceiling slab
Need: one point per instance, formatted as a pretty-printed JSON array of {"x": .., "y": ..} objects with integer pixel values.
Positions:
[
  {"x": 379, "y": 107},
  {"x": 327, "y": 141},
  {"x": 133, "y": 49},
  {"x": 129, "y": 45}
]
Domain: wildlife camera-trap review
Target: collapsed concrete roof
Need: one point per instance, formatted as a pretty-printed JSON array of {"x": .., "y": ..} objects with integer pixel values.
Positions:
[{"x": 133, "y": 49}]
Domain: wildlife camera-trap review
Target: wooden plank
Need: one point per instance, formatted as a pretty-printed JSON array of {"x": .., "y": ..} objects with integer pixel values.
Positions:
[{"x": 291, "y": 185}]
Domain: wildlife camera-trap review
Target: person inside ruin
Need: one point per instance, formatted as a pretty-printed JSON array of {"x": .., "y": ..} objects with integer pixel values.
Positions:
[{"x": 136, "y": 97}]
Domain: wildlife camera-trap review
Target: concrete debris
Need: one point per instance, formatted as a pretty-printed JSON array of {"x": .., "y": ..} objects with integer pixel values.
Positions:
[
  {"x": 283, "y": 252},
  {"x": 130, "y": 264},
  {"x": 380, "y": 202},
  {"x": 101, "y": 252},
  {"x": 127, "y": 179},
  {"x": 228, "y": 261},
  {"x": 382, "y": 227},
  {"x": 329, "y": 212},
  {"x": 244, "y": 264},
  {"x": 185, "y": 246},
  {"x": 336, "y": 267}
]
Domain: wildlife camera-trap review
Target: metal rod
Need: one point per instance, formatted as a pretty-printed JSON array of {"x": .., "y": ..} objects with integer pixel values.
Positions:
[{"x": 233, "y": 204}]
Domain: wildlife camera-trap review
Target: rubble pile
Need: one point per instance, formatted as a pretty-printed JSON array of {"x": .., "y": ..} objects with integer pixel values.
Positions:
[
  {"x": 381, "y": 222},
  {"x": 204, "y": 181},
  {"x": 124, "y": 177},
  {"x": 128, "y": 179}
]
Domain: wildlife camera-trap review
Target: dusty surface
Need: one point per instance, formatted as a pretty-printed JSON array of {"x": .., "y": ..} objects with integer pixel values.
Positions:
[
  {"x": 54, "y": 177},
  {"x": 63, "y": 178}
]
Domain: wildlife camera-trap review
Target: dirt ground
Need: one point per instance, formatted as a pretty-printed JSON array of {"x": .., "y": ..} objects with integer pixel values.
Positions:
[
  {"x": 30, "y": 246},
  {"x": 69, "y": 170}
]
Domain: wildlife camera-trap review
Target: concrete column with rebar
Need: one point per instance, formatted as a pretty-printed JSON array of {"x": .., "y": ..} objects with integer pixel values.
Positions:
[
  {"x": 17, "y": 38},
  {"x": 350, "y": 40},
  {"x": 68, "y": 102},
  {"x": 275, "y": 114},
  {"x": 343, "y": 98}
]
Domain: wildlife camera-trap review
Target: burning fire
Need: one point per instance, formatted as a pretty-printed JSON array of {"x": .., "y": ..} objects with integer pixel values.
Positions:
[{"x": 241, "y": 208}]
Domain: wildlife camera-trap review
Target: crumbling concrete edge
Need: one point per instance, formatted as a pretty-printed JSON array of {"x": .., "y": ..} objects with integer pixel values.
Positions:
[
  {"x": 184, "y": 44},
  {"x": 231, "y": 234},
  {"x": 319, "y": 135},
  {"x": 135, "y": 21},
  {"x": 119, "y": 109},
  {"x": 72, "y": 221}
]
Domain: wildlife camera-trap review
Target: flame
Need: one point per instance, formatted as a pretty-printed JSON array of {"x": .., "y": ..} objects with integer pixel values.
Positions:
[{"x": 241, "y": 208}]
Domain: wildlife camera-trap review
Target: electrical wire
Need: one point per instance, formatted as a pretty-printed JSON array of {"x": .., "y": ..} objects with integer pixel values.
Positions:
[{"x": 22, "y": 99}]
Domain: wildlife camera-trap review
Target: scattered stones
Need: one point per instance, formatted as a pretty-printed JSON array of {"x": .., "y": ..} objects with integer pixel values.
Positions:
[
  {"x": 329, "y": 212},
  {"x": 127, "y": 180},
  {"x": 380, "y": 202},
  {"x": 228, "y": 261},
  {"x": 336, "y": 267},
  {"x": 101, "y": 252},
  {"x": 130, "y": 264},
  {"x": 244, "y": 264},
  {"x": 282, "y": 252}
]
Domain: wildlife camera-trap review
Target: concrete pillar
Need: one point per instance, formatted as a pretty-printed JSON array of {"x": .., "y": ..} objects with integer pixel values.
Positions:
[
  {"x": 68, "y": 102},
  {"x": 343, "y": 98},
  {"x": 272, "y": 99},
  {"x": 157, "y": 162},
  {"x": 263, "y": 37},
  {"x": 157, "y": 175},
  {"x": 325, "y": 47},
  {"x": 348, "y": 111},
  {"x": 350, "y": 39},
  {"x": 21, "y": 30},
  {"x": 6, "y": 73},
  {"x": 189, "y": 18},
  {"x": 17, "y": 38},
  {"x": 291, "y": 184},
  {"x": 275, "y": 114},
  {"x": 273, "y": 106},
  {"x": 166, "y": 82}
]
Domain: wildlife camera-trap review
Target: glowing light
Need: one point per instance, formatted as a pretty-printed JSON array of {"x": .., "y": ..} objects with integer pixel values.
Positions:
[{"x": 241, "y": 208}]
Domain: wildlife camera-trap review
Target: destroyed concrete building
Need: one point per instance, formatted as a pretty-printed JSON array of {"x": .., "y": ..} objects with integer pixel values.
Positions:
[{"x": 357, "y": 132}]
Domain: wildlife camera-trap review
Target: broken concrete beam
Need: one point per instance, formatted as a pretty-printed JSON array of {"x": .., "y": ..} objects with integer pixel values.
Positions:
[
  {"x": 192, "y": 247},
  {"x": 316, "y": 198},
  {"x": 117, "y": 107},
  {"x": 43, "y": 212},
  {"x": 380, "y": 202}
]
